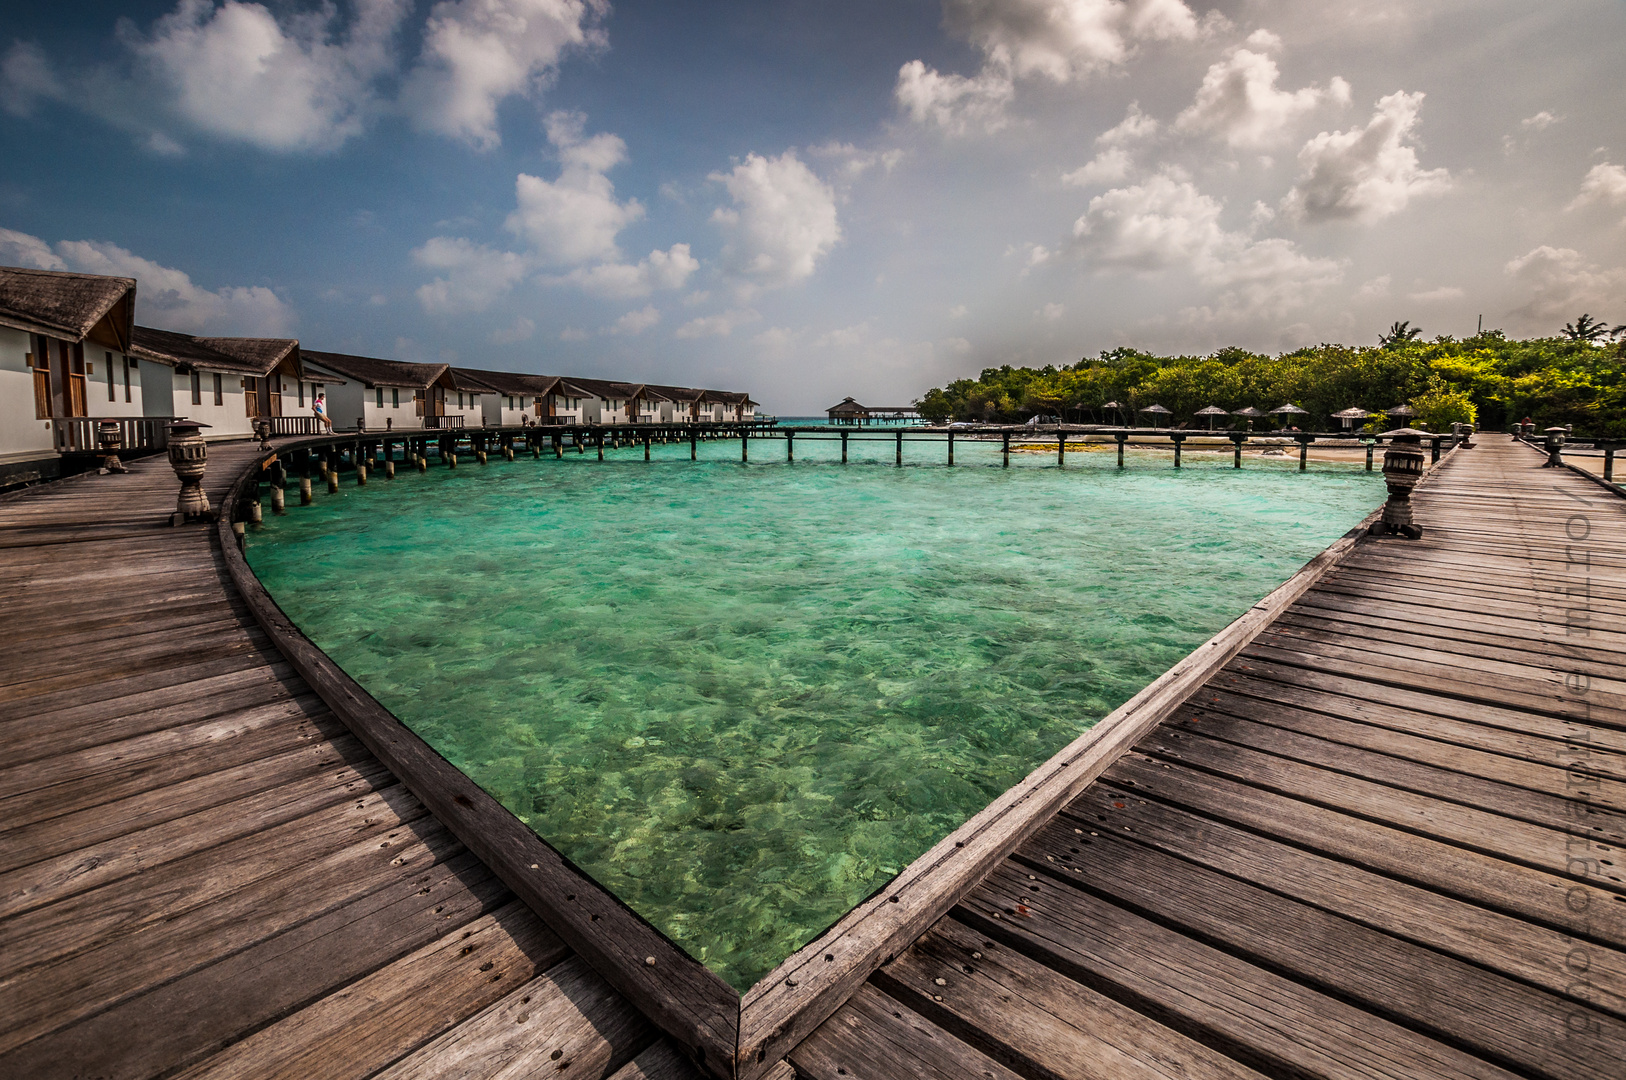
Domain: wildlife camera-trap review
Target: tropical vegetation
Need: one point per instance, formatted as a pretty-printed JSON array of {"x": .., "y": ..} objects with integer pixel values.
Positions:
[{"x": 1489, "y": 379}]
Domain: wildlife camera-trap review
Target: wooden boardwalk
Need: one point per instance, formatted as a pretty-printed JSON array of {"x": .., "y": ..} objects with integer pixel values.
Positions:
[
  {"x": 1384, "y": 841},
  {"x": 202, "y": 873}
]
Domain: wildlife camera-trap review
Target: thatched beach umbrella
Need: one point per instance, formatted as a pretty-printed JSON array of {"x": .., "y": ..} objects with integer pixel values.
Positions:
[
  {"x": 1117, "y": 408},
  {"x": 1210, "y": 411},
  {"x": 1250, "y": 414},
  {"x": 1402, "y": 410},
  {"x": 1350, "y": 415},
  {"x": 1155, "y": 410},
  {"x": 1289, "y": 409}
]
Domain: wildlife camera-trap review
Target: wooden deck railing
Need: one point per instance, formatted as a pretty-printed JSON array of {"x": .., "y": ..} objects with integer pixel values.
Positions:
[
  {"x": 443, "y": 422},
  {"x": 296, "y": 425},
  {"x": 80, "y": 434}
]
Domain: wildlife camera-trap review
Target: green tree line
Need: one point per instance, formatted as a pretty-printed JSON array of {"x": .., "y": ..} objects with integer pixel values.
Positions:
[{"x": 1487, "y": 379}]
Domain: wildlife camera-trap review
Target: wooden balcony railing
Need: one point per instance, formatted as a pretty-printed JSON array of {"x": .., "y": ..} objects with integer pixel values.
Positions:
[
  {"x": 296, "y": 425},
  {"x": 81, "y": 435},
  {"x": 442, "y": 422}
]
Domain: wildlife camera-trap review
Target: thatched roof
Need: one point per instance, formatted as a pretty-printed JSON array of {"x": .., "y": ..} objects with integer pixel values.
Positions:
[
  {"x": 372, "y": 371},
  {"x": 238, "y": 356},
  {"x": 516, "y": 383},
  {"x": 686, "y": 394},
  {"x": 847, "y": 407},
  {"x": 68, "y": 306},
  {"x": 607, "y": 389}
]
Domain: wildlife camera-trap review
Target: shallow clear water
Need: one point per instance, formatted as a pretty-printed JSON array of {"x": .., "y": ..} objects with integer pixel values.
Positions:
[{"x": 744, "y": 697}]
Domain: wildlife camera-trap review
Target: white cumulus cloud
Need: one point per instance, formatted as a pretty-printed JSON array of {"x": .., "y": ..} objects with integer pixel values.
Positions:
[
  {"x": 716, "y": 325},
  {"x": 1167, "y": 223},
  {"x": 1365, "y": 174},
  {"x": 471, "y": 276},
  {"x": 1240, "y": 103},
  {"x": 237, "y": 72},
  {"x": 1603, "y": 184},
  {"x": 659, "y": 270},
  {"x": 634, "y": 323},
  {"x": 478, "y": 52},
  {"x": 782, "y": 222},
  {"x": 1060, "y": 40},
  {"x": 169, "y": 298},
  {"x": 575, "y": 218},
  {"x": 1559, "y": 283}
]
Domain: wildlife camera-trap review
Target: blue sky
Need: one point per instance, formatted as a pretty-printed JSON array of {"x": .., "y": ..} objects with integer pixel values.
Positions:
[{"x": 809, "y": 200}]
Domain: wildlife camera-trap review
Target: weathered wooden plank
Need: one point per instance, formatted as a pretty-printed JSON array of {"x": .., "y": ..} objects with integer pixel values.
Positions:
[
  {"x": 1453, "y": 871},
  {"x": 1498, "y": 942},
  {"x": 1555, "y": 810},
  {"x": 118, "y": 857},
  {"x": 1487, "y": 1014},
  {"x": 1038, "y": 1021},
  {"x": 664, "y": 1061},
  {"x": 53, "y": 837},
  {"x": 1540, "y": 847},
  {"x": 567, "y": 1020},
  {"x": 245, "y": 991},
  {"x": 1251, "y": 1014},
  {"x": 873, "y": 1037}
]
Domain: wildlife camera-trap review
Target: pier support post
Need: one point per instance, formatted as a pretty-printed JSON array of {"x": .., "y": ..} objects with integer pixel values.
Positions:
[
  {"x": 790, "y": 447},
  {"x": 694, "y": 444},
  {"x": 389, "y": 470},
  {"x": 278, "y": 503},
  {"x": 1304, "y": 452},
  {"x": 601, "y": 446},
  {"x": 844, "y": 448},
  {"x": 1061, "y": 448},
  {"x": 332, "y": 482},
  {"x": 900, "y": 449},
  {"x": 1122, "y": 439},
  {"x": 361, "y": 473},
  {"x": 305, "y": 491},
  {"x": 1236, "y": 447},
  {"x": 1371, "y": 446},
  {"x": 1609, "y": 463},
  {"x": 646, "y": 446},
  {"x": 1177, "y": 440},
  {"x": 744, "y": 438},
  {"x": 558, "y": 447},
  {"x": 1005, "y": 451},
  {"x": 951, "y": 449}
]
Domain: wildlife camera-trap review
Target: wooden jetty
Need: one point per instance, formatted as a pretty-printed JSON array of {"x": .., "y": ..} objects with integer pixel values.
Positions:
[{"x": 1371, "y": 829}]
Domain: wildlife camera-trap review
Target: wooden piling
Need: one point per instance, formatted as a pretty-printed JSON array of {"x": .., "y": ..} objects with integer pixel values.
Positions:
[
  {"x": 1177, "y": 442},
  {"x": 1121, "y": 440},
  {"x": 601, "y": 446},
  {"x": 305, "y": 491},
  {"x": 389, "y": 470},
  {"x": 1304, "y": 454},
  {"x": 744, "y": 438},
  {"x": 1005, "y": 451},
  {"x": 844, "y": 448},
  {"x": 451, "y": 460},
  {"x": 1061, "y": 448},
  {"x": 361, "y": 474},
  {"x": 256, "y": 513},
  {"x": 900, "y": 450},
  {"x": 1609, "y": 464},
  {"x": 951, "y": 449},
  {"x": 694, "y": 443},
  {"x": 1236, "y": 449},
  {"x": 1369, "y": 448},
  {"x": 790, "y": 446},
  {"x": 279, "y": 503},
  {"x": 332, "y": 483},
  {"x": 646, "y": 446}
]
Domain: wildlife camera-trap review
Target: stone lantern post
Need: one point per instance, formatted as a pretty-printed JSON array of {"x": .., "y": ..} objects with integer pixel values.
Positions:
[
  {"x": 1402, "y": 469},
  {"x": 188, "y": 456},
  {"x": 1555, "y": 448},
  {"x": 111, "y": 437}
]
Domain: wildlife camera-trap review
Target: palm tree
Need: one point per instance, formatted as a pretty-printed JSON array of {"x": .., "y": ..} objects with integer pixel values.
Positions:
[
  {"x": 1586, "y": 328},
  {"x": 1400, "y": 332}
]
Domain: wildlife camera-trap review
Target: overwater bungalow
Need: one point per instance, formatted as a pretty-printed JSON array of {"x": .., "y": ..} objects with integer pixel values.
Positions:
[
  {"x": 512, "y": 398},
  {"x": 606, "y": 402},
  {"x": 371, "y": 394},
  {"x": 679, "y": 404},
  {"x": 226, "y": 383},
  {"x": 64, "y": 364}
]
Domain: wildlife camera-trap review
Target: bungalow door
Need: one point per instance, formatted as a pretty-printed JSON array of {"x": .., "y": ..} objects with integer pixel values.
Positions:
[
  {"x": 273, "y": 395},
  {"x": 74, "y": 365},
  {"x": 251, "y": 397}
]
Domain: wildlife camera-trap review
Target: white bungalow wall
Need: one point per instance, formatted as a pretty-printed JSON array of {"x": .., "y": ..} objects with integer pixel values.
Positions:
[
  {"x": 567, "y": 409},
  {"x": 389, "y": 408},
  {"x": 25, "y": 436}
]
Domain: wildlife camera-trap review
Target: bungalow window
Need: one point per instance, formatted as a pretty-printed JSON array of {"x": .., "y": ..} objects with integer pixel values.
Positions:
[
  {"x": 379, "y": 396},
  {"x": 395, "y": 397},
  {"x": 302, "y": 394},
  {"x": 109, "y": 375},
  {"x": 220, "y": 391},
  {"x": 460, "y": 399},
  {"x": 197, "y": 387},
  {"x": 128, "y": 364}
]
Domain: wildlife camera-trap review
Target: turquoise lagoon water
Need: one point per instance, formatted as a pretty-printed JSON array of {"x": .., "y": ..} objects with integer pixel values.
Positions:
[{"x": 744, "y": 697}]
